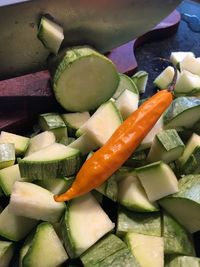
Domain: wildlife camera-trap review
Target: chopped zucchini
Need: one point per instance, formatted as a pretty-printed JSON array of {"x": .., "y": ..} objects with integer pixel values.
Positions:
[
  {"x": 109, "y": 251},
  {"x": 141, "y": 223},
  {"x": 74, "y": 121},
  {"x": 53, "y": 122},
  {"x": 148, "y": 250},
  {"x": 8, "y": 176},
  {"x": 7, "y": 155},
  {"x": 137, "y": 159},
  {"x": 51, "y": 34},
  {"x": 187, "y": 84},
  {"x": 190, "y": 160},
  {"x": 15, "y": 227},
  {"x": 40, "y": 141},
  {"x": 25, "y": 247},
  {"x": 164, "y": 78},
  {"x": 131, "y": 194},
  {"x": 6, "y": 253},
  {"x": 109, "y": 188},
  {"x": 177, "y": 240},
  {"x": 32, "y": 201},
  {"x": 140, "y": 78},
  {"x": 183, "y": 261},
  {"x": 125, "y": 83},
  {"x": 20, "y": 142},
  {"x": 158, "y": 180},
  {"x": 86, "y": 75},
  {"x": 184, "y": 206},
  {"x": 46, "y": 249},
  {"x": 191, "y": 64},
  {"x": 84, "y": 223},
  {"x": 177, "y": 57},
  {"x": 167, "y": 146},
  {"x": 84, "y": 144},
  {"x": 54, "y": 161},
  {"x": 184, "y": 112},
  {"x": 126, "y": 103},
  {"x": 102, "y": 123}
]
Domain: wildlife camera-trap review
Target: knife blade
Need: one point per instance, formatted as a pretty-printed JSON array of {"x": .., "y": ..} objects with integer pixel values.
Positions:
[{"x": 102, "y": 24}]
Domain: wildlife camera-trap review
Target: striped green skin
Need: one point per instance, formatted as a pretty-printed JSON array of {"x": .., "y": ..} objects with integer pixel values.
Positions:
[
  {"x": 109, "y": 251},
  {"x": 192, "y": 165},
  {"x": 109, "y": 188},
  {"x": 140, "y": 78},
  {"x": 141, "y": 223},
  {"x": 177, "y": 240},
  {"x": 182, "y": 261},
  {"x": 83, "y": 61}
]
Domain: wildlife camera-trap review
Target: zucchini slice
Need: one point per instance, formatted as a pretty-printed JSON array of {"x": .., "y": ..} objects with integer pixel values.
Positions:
[
  {"x": 148, "y": 250},
  {"x": 184, "y": 206},
  {"x": 167, "y": 146},
  {"x": 187, "y": 84},
  {"x": 109, "y": 251},
  {"x": 184, "y": 112},
  {"x": 102, "y": 123},
  {"x": 46, "y": 249},
  {"x": 164, "y": 78},
  {"x": 191, "y": 64},
  {"x": 7, "y": 155},
  {"x": 131, "y": 194},
  {"x": 126, "y": 103},
  {"x": 40, "y": 141},
  {"x": 125, "y": 83},
  {"x": 84, "y": 144},
  {"x": 182, "y": 261},
  {"x": 6, "y": 252},
  {"x": 33, "y": 201},
  {"x": 51, "y": 34},
  {"x": 20, "y": 142},
  {"x": 135, "y": 222},
  {"x": 158, "y": 180},
  {"x": 84, "y": 223},
  {"x": 140, "y": 79},
  {"x": 177, "y": 57},
  {"x": 84, "y": 75},
  {"x": 75, "y": 120},
  {"x": 177, "y": 240},
  {"x": 54, "y": 161},
  {"x": 15, "y": 227},
  {"x": 8, "y": 176},
  {"x": 53, "y": 122}
]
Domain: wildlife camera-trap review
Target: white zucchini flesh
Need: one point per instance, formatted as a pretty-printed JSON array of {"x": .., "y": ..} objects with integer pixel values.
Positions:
[
  {"x": 187, "y": 83},
  {"x": 177, "y": 57},
  {"x": 140, "y": 78},
  {"x": 20, "y": 142},
  {"x": 158, "y": 180},
  {"x": 125, "y": 83},
  {"x": 40, "y": 141},
  {"x": 192, "y": 143},
  {"x": 85, "y": 222},
  {"x": 51, "y": 34},
  {"x": 190, "y": 64},
  {"x": 102, "y": 123},
  {"x": 126, "y": 103},
  {"x": 32, "y": 201},
  {"x": 8, "y": 176},
  {"x": 148, "y": 250},
  {"x": 46, "y": 249},
  {"x": 76, "y": 120},
  {"x": 131, "y": 194},
  {"x": 6, "y": 253},
  {"x": 164, "y": 78},
  {"x": 15, "y": 227},
  {"x": 84, "y": 75},
  {"x": 84, "y": 144}
]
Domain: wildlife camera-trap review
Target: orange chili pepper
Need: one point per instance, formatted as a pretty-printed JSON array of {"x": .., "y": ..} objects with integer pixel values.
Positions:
[{"x": 110, "y": 157}]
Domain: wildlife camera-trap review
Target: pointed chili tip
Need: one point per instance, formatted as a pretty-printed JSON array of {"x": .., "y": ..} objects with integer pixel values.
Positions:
[{"x": 68, "y": 195}]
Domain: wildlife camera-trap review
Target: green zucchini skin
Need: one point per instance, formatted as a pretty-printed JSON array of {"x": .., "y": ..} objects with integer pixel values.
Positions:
[{"x": 177, "y": 240}]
